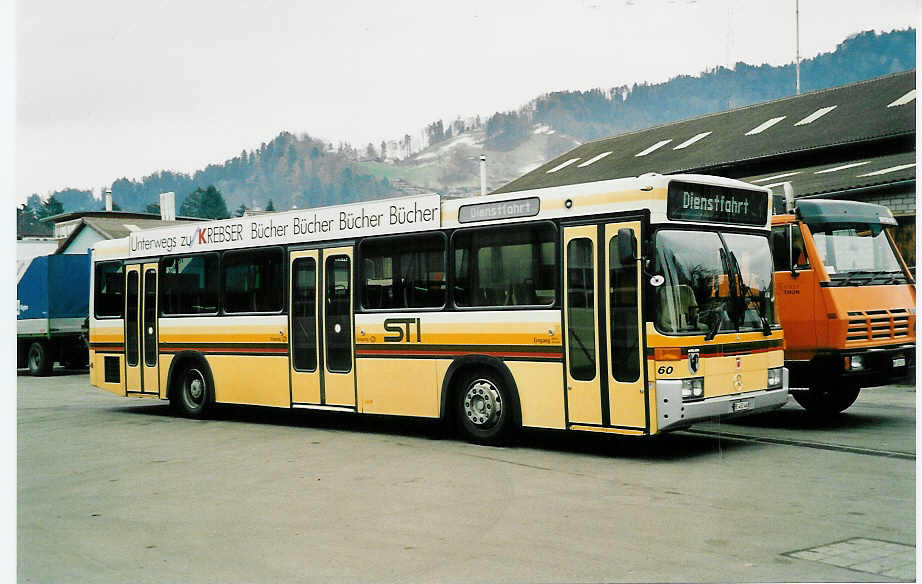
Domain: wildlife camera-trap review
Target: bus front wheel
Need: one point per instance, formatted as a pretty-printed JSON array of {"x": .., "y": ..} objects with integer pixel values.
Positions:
[
  {"x": 193, "y": 395},
  {"x": 484, "y": 409},
  {"x": 826, "y": 399}
]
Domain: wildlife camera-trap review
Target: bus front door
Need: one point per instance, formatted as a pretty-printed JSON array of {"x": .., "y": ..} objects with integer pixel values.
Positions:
[
  {"x": 142, "y": 353},
  {"x": 604, "y": 334},
  {"x": 320, "y": 328},
  {"x": 627, "y": 400},
  {"x": 338, "y": 344},
  {"x": 584, "y": 387}
]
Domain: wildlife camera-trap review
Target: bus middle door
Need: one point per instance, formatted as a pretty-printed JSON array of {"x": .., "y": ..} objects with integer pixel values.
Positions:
[{"x": 322, "y": 364}]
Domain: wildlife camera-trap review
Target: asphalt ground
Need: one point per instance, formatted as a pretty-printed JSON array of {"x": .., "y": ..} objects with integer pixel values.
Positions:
[{"x": 116, "y": 489}]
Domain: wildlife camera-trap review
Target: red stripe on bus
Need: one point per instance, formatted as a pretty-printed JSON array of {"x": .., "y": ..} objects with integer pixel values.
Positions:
[
  {"x": 408, "y": 353},
  {"x": 728, "y": 353},
  {"x": 272, "y": 350}
]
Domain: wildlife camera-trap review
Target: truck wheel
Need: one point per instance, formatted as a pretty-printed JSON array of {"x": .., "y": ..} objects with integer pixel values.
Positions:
[
  {"x": 39, "y": 359},
  {"x": 827, "y": 399},
  {"x": 193, "y": 394},
  {"x": 484, "y": 409}
]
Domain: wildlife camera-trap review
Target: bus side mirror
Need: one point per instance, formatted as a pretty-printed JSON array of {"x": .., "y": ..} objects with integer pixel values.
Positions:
[{"x": 627, "y": 246}]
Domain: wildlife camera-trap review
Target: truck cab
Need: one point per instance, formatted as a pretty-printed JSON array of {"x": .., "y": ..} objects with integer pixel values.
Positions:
[{"x": 845, "y": 299}]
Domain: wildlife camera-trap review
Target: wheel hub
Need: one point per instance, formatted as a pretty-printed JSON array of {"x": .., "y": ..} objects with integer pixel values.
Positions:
[
  {"x": 194, "y": 393},
  {"x": 482, "y": 403},
  {"x": 195, "y": 389}
]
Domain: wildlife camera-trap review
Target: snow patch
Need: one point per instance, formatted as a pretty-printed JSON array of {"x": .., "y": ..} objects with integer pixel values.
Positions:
[{"x": 466, "y": 139}]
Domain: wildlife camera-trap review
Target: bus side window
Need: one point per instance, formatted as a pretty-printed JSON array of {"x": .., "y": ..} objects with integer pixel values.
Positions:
[
  {"x": 506, "y": 266},
  {"x": 403, "y": 272}
]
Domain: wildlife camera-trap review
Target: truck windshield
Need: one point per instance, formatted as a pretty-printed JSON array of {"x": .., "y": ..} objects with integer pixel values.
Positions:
[
  {"x": 858, "y": 253},
  {"x": 710, "y": 283}
]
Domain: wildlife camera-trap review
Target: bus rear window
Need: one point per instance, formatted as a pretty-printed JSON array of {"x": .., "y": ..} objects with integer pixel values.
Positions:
[{"x": 109, "y": 289}]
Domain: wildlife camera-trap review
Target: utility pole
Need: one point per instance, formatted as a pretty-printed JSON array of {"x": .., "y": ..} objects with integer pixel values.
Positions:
[{"x": 797, "y": 44}]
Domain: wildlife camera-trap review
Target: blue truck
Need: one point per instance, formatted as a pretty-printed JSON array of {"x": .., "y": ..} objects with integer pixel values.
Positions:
[{"x": 52, "y": 305}]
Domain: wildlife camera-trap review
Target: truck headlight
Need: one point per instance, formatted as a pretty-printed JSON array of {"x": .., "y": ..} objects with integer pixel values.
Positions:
[
  {"x": 775, "y": 377},
  {"x": 693, "y": 388},
  {"x": 854, "y": 363}
]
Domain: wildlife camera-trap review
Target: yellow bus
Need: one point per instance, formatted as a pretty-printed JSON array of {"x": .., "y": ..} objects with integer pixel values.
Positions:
[{"x": 628, "y": 306}]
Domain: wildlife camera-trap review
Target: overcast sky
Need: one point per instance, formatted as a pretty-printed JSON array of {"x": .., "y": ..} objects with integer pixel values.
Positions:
[{"x": 109, "y": 88}]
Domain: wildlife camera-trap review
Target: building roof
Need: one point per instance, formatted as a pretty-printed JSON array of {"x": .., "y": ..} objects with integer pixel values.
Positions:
[
  {"x": 847, "y": 175},
  {"x": 70, "y": 216},
  {"x": 866, "y": 119}
]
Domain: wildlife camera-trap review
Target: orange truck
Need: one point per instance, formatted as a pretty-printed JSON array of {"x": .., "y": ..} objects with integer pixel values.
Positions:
[{"x": 845, "y": 299}]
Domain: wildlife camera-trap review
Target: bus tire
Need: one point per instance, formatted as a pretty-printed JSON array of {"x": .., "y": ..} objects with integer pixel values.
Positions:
[
  {"x": 193, "y": 395},
  {"x": 826, "y": 399},
  {"x": 39, "y": 360},
  {"x": 484, "y": 408}
]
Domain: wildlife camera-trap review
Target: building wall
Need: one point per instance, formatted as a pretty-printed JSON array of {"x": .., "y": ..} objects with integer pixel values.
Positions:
[
  {"x": 903, "y": 207},
  {"x": 84, "y": 240}
]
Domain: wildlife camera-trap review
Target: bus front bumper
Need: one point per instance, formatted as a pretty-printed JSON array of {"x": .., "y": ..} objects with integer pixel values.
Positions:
[{"x": 674, "y": 414}]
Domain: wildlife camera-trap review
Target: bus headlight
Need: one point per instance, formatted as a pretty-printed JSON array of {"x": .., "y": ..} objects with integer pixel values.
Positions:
[
  {"x": 693, "y": 388},
  {"x": 775, "y": 377}
]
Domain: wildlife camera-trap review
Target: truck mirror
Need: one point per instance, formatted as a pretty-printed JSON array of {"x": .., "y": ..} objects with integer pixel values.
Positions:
[{"x": 627, "y": 246}]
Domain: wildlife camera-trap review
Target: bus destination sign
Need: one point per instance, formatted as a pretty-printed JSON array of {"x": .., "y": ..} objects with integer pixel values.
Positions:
[
  {"x": 499, "y": 210},
  {"x": 714, "y": 204}
]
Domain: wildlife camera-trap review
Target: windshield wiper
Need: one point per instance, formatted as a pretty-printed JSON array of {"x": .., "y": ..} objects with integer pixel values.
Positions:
[
  {"x": 739, "y": 297},
  {"x": 715, "y": 325}
]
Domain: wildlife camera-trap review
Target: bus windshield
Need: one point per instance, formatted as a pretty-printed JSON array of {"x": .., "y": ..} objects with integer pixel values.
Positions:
[
  {"x": 854, "y": 250},
  {"x": 710, "y": 283}
]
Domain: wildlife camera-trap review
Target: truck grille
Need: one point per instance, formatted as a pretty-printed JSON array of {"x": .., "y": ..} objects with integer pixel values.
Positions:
[{"x": 873, "y": 325}]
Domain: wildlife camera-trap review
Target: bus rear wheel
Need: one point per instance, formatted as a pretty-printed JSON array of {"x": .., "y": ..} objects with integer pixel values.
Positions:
[
  {"x": 827, "y": 399},
  {"x": 484, "y": 409},
  {"x": 193, "y": 395},
  {"x": 39, "y": 359}
]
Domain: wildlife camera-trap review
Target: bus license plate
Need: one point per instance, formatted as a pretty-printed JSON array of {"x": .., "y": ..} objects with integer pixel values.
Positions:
[
  {"x": 899, "y": 361},
  {"x": 741, "y": 405}
]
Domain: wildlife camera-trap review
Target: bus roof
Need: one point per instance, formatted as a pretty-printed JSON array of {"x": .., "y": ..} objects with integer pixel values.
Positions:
[
  {"x": 648, "y": 191},
  {"x": 427, "y": 212}
]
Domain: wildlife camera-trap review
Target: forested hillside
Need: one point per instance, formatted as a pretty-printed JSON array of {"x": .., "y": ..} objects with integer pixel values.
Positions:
[
  {"x": 298, "y": 170},
  {"x": 588, "y": 115}
]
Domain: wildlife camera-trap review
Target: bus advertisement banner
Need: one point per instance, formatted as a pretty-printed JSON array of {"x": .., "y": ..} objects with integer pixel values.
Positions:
[{"x": 391, "y": 216}]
